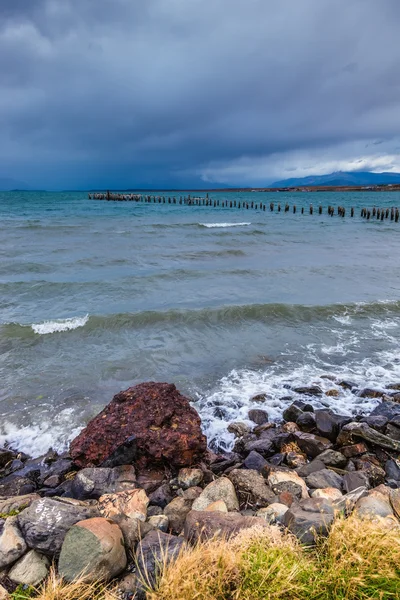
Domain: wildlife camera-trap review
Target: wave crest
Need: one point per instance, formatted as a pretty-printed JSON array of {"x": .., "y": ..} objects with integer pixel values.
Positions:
[{"x": 59, "y": 325}]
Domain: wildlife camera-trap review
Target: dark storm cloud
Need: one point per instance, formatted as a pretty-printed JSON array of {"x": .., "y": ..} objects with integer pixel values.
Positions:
[{"x": 132, "y": 92}]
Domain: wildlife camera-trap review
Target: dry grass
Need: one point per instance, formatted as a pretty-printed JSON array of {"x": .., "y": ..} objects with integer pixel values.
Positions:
[{"x": 55, "y": 588}]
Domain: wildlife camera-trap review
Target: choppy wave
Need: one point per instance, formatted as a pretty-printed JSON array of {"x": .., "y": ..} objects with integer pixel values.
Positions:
[
  {"x": 223, "y": 225},
  {"x": 229, "y": 314},
  {"x": 59, "y": 325}
]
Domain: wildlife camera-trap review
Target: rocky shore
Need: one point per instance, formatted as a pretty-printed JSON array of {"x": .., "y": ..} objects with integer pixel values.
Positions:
[{"x": 139, "y": 484}]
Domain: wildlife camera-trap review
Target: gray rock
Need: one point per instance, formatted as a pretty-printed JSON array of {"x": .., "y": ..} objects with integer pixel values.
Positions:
[
  {"x": 328, "y": 423},
  {"x": 95, "y": 482},
  {"x": 362, "y": 430},
  {"x": 347, "y": 502},
  {"x": 312, "y": 467},
  {"x": 154, "y": 551},
  {"x": 258, "y": 416},
  {"x": 373, "y": 505},
  {"x": 45, "y": 522},
  {"x": 161, "y": 496},
  {"x": 309, "y": 518},
  {"x": 92, "y": 550},
  {"x": 311, "y": 444},
  {"x": 306, "y": 421},
  {"x": 220, "y": 489},
  {"x": 377, "y": 422},
  {"x": 393, "y": 431},
  {"x": 14, "y": 485},
  {"x": 12, "y": 543},
  {"x": 392, "y": 469},
  {"x": 255, "y": 461},
  {"x": 331, "y": 458},
  {"x": 312, "y": 390},
  {"x": 124, "y": 454},
  {"x": 206, "y": 525},
  {"x": 160, "y": 522},
  {"x": 5, "y": 457},
  {"x": 354, "y": 480},
  {"x": 324, "y": 479},
  {"x": 260, "y": 398},
  {"x": 238, "y": 428},
  {"x": 282, "y": 480},
  {"x": 179, "y": 507},
  {"x": 386, "y": 408},
  {"x": 32, "y": 569},
  {"x": 16, "y": 503},
  {"x": 371, "y": 393},
  {"x": 263, "y": 446},
  {"x": 292, "y": 413},
  {"x": 251, "y": 488},
  {"x": 274, "y": 513},
  {"x": 190, "y": 478}
]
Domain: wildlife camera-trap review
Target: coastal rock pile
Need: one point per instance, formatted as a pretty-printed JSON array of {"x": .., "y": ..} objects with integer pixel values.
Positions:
[{"x": 140, "y": 479}]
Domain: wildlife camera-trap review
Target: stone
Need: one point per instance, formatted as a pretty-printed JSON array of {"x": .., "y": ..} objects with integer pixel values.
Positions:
[
  {"x": 347, "y": 502},
  {"x": 292, "y": 413},
  {"x": 153, "y": 552},
  {"x": 331, "y": 458},
  {"x": 354, "y": 450},
  {"x": 290, "y": 427},
  {"x": 124, "y": 454},
  {"x": 153, "y": 511},
  {"x": 332, "y": 393},
  {"x": 177, "y": 510},
  {"x": 14, "y": 485},
  {"x": 311, "y": 444},
  {"x": 263, "y": 446},
  {"x": 228, "y": 460},
  {"x": 387, "y": 408},
  {"x": 6, "y": 456},
  {"x": 32, "y": 569},
  {"x": 364, "y": 431},
  {"x": 45, "y": 522},
  {"x": 238, "y": 428},
  {"x": 161, "y": 496},
  {"x": 12, "y": 543},
  {"x": 95, "y": 482},
  {"x": 306, "y": 421},
  {"x": 312, "y": 467},
  {"x": 160, "y": 522},
  {"x": 377, "y": 422},
  {"x": 202, "y": 525},
  {"x": 312, "y": 390},
  {"x": 393, "y": 432},
  {"x": 218, "y": 506},
  {"x": 371, "y": 393},
  {"x": 16, "y": 503},
  {"x": 220, "y": 489},
  {"x": 328, "y": 423},
  {"x": 355, "y": 480},
  {"x": 255, "y": 461},
  {"x": 295, "y": 459},
  {"x": 92, "y": 550},
  {"x": 287, "y": 481},
  {"x": 347, "y": 385},
  {"x": 309, "y": 518},
  {"x": 330, "y": 493},
  {"x": 251, "y": 488},
  {"x": 394, "y": 499},
  {"x": 373, "y": 505},
  {"x": 149, "y": 480},
  {"x": 133, "y": 504},
  {"x": 274, "y": 513},
  {"x": 374, "y": 472},
  {"x": 261, "y": 398},
  {"x": 324, "y": 479},
  {"x": 190, "y": 478},
  {"x": 392, "y": 469},
  {"x": 261, "y": 429},
  {"x": 258, "y": 416},
  {"x": 167, "y": 429}
]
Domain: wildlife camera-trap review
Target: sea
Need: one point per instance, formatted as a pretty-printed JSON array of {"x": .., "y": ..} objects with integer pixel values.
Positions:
[{"x": 226, "y": 303}]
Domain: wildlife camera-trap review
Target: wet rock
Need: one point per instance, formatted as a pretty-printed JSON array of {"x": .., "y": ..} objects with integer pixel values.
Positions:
[
  {"x": 371, "y": 393},
  {"x": 255, "y": 461},
  {"x": 132, "y": 504},
  {"x": 261, "y": 429},
  {"x": 14, "y": 485},
  {"x": 156, "y": 550},
  {"x": 332, "y": 393},
  {"x": 6, "y": 456},
  {"x": 387, "y": 408},
  {"x": 160, "y": 522},
  {"x": 292, "y": 413},
  {"x": 362, "y": 430},
  {"x": 32, "y": 569},
  {"x": 190, "y": 478},
  {"x": 392, "y": 469},
  {"x": 312, "y": 390},
  {"x": 179, "y": 507},
  {"x": 274, "y": 513},
  {"x": 161, "y": 496},
  {"x": 16, "y": 503},
  {"x": 311, "y": 444},
  {"x": 330, "y": 493},
  {"x": 260, "y": 398},
  {"x": 309, "y": 518},
  {"x": 281, "y": 441},
  {"x": 238, "y": 428},
  {"x": 347, "y": 502},
  {"x": 220, "y": 489},
  {"x": 377, "y": 422},
  {"x": 12, "y": 543},
  {"x": 258, "y": 416},
  {"x": 46, "y": 521},
  {"x": 306, "y": 421},
  {"x": 206, "y": 525},
  {"x": 95, "y": 482},
  {"x": 347, "y": 385},
  {"x": 324, "y": 479},
  {"x": 331, "y": 458},
  {"x": 287, "y": 481},
  {"x": 353, "y": 481},
  {"x": 354, "y": 450},
  {"x": 167, "y": 429},
  {"x": 93, "y": 550},
  {"x": 251, "y": 488}
]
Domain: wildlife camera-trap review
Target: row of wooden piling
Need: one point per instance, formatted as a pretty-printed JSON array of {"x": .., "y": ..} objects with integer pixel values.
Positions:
[{"x": 366, "y": 213}]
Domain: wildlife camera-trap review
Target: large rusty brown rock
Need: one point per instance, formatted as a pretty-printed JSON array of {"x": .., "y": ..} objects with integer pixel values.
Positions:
[{"x": 166, "y": 429}]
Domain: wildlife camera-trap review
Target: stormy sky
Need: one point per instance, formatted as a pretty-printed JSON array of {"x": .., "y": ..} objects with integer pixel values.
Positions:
[{"x": 155, "y": 93}]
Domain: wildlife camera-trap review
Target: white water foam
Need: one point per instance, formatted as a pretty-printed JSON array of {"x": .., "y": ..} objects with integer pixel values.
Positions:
[
  {"x": 37, "y": 438},
  {"x": 59, "y": 325},
  {"x": 214, "y": 225}
]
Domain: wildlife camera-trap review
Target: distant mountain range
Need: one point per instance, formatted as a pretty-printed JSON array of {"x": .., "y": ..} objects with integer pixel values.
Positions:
[
  {"x": 340, "y": 178},
  {"x": 7, "y": 185}
]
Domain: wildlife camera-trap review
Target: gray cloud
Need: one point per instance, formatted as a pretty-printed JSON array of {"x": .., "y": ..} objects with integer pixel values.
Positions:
[{"x": 176, "y": 92}]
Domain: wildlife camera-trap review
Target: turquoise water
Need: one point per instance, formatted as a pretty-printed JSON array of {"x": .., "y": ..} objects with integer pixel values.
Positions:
[{"x": 96, "y": 296}]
